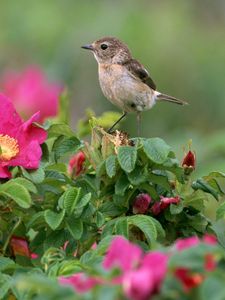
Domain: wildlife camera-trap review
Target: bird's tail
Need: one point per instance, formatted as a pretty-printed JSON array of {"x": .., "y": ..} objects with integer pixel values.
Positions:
[{"x": 164, "y": 97}]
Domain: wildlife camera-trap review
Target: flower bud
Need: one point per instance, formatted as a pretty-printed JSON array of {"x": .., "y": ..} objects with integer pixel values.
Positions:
[
  {"x": 76, "y": 164},
  {"x": 141, "y": 203},
  {"x": 189, "y": 162}
]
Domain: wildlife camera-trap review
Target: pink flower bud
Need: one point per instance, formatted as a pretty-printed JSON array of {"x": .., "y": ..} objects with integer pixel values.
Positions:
[
  {"x": 189, "y": 162},
  {"x": 141, "y": 203},
  {"x": 76, "y": 164}
]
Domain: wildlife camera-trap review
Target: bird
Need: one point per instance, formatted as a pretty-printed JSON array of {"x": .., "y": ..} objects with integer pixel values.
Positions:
[{"x": 124, "y": 81}]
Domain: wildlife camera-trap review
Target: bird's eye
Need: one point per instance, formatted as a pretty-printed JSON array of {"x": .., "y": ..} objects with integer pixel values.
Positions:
[{"x": 104, "y": 46}]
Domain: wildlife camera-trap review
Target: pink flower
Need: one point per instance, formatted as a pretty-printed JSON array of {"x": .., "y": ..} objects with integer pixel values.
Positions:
[
  {"x": 19, "y": 141},
  {"x": 122, "y": 254},
  {"x": 157, "y": 262},
  {"x": 76, "y": 164},
  {"x": 30, "y": 92},
  {"x": 186, "y": 243},
  {"x": 141, "y": 203},
  {"x": 138, "y": 284},
  {"x": 80, "y": 282},
  {"x": 164, "y": 202}
]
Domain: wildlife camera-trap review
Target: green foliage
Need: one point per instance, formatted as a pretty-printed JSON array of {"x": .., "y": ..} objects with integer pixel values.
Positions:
[{"x": 59, "y": 215}]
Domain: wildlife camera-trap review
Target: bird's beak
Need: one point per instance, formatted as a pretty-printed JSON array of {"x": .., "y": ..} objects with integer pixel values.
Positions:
[{"x": 88, "y": 47}]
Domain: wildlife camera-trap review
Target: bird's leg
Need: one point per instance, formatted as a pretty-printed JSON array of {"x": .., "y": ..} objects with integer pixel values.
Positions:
[
  {"x": 139, "y": 123},
  {"x": 111, "y": 128}
]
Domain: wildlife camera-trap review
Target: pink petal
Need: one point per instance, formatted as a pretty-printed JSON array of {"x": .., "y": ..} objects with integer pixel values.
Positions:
[
  {"x": 156, "y": 262},
  {"x": 80, "y": 282},
  {"x": 185, "y": 243},
  {"x": 122, "y": 254},
  {"x": 4, "y": 172},
  {"x": 138, "y": 285}
]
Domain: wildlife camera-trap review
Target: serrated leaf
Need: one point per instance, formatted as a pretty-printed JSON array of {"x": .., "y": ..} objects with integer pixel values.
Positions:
[
  {"x": 137, "y": 176},
  {"x": 220, "y": 212},
  {"x": 36, "y": 176},
  {"x": 121, "y": 227},
  {"x": 75, "y": 227},
  {"x": 60, "y": 129},
  {"x": 156, "y": 149},
  {"x": 100, "y": 219},
  {"x": 121, "y": 184},
  {"x": 54, "y": 219},
  {"x": 146, "y": 225},
  {"x": 26, "y": 183},
  {"x": 5, "y": 284},
  {"x": 83, "y": 201},
  {"x": 64, "y": 145},
  {"x": 70, "y": 198},
  {"x": 110, "y": 165},
  {"x": 127, "y": 157},
  {"x": 160, "y": 180},
  {"x": 6, "y": 263},
  {"x": 17, "y": 193}
]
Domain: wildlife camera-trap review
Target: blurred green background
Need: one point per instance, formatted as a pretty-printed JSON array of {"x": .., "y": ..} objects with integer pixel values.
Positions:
[{"x": 181, "y": 43}]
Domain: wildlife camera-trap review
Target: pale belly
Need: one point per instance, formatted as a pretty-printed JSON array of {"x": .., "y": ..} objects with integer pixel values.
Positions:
[{"x": 123, "y": 90}]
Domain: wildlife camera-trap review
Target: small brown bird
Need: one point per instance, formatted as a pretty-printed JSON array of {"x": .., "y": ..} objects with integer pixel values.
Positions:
[{"x": 124, "y": 80}]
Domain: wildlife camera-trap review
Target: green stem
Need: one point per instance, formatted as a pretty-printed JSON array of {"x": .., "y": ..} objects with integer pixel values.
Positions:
[{"x": 10, "y": 235}]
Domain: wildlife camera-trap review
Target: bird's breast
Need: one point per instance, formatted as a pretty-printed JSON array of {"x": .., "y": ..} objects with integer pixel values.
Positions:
[{"x": 123, "y": 89}]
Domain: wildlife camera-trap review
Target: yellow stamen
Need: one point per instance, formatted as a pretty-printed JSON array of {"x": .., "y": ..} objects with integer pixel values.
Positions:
[{"x": 9, "y": 147}]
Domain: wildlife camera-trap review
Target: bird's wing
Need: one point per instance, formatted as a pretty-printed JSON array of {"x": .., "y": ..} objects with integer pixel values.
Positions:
[{"x": 139, "y": 71}]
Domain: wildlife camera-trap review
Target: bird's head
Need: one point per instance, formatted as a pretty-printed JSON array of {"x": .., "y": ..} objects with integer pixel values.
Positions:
[{"x": 109, "y": 50}]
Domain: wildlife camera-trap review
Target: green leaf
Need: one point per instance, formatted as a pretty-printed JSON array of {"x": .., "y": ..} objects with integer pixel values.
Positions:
[
  {"x": 145, "y": 224},
  {"x": 121, "y": 184},
  {"x": 75, "y": 227},
  {"x": 109, "y": 209},
  {"x": 121, "y": 227},
  {"x": 6, "y": 263},
  {"x": 16, "y": 192},
  {"x": 36, "y": 176},
  {"x": 195, "y": 200},
  {"x": 53, "y": 219},
  {"x": 60, "y": 129},
  {"x": 160, "y": 180},
  {"x": 138, "y": 175},
  {"x": 5, "y": 284},
  {"x": 100, "y": 220},
  {"x": 64, "y": 145},
  {"x": 110, "y": 165},
  {"x": 26, "y": 183},
  {"x": 200, "y": 184},
  {"x": 83, "y": 201},
  {"x": 213, "y": 288},
  {"x": 220, "y": 212},
  {"x": 156, "y": 149},
  {"x": 70, "y": 198},
  {"x": 127, "y": 157}
]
